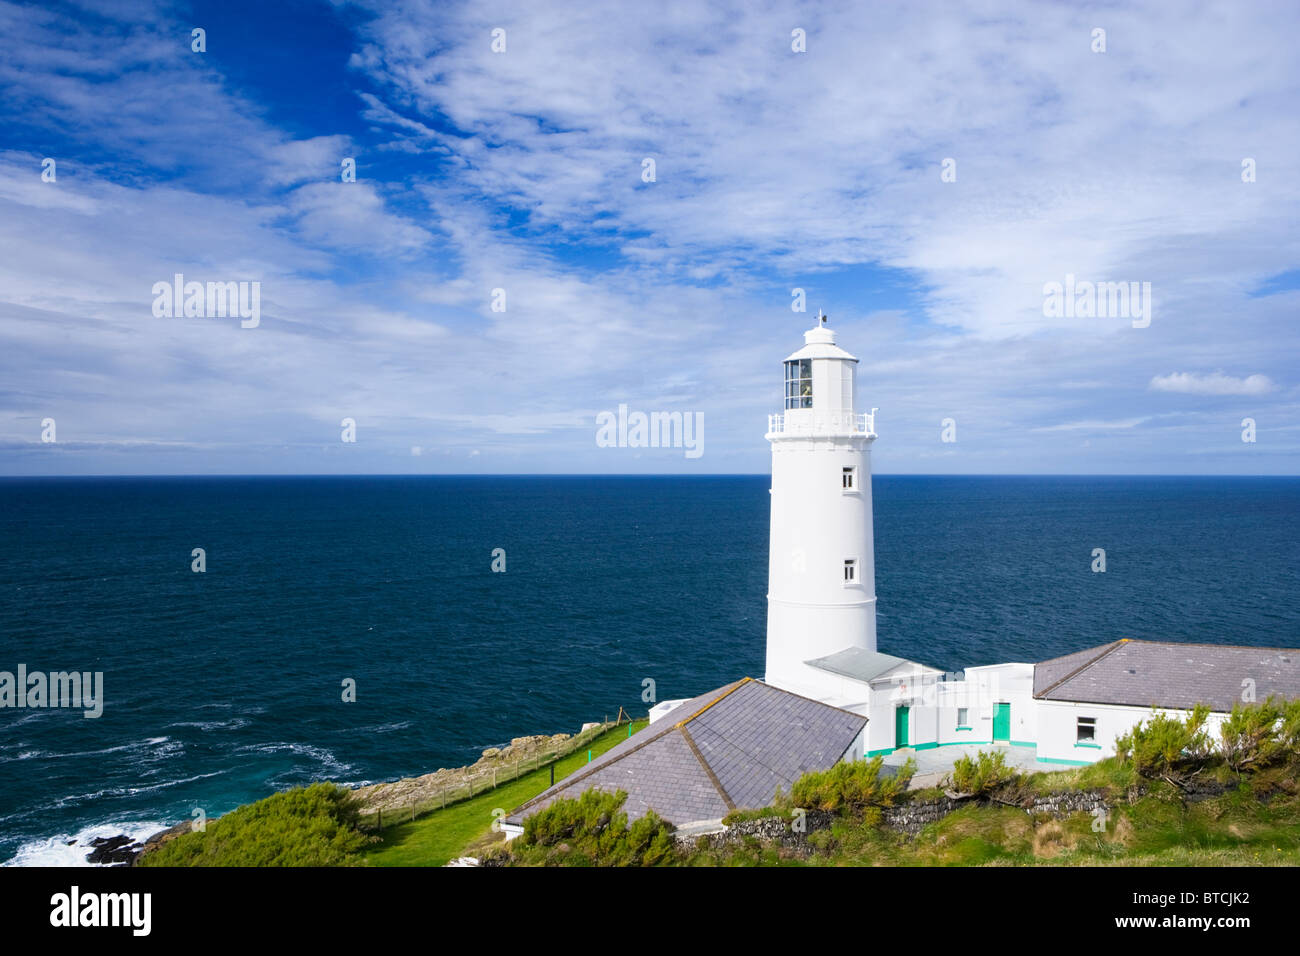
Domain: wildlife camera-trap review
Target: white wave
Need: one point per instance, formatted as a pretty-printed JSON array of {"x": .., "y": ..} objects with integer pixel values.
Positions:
[
  {"x": 25, "y": 719},
  {"x": 331, "y": 763},
  {"x": 378, "y": 728},
  {"x": 129, "y": 791},
  {"x": 156, "y": 743},
  {"x": 56, "y": 851},
  {"x": 233, "y": 723}
]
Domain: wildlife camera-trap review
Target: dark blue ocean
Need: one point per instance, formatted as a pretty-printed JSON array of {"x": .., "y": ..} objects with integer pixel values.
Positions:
[{"x": 224, "y": 686}]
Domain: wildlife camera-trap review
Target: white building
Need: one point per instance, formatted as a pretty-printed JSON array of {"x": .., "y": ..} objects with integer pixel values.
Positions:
[
  {"x": 830, "y": 695},
  {"x": 821, "y": 565},
  {"x": 821, "y": 627}
]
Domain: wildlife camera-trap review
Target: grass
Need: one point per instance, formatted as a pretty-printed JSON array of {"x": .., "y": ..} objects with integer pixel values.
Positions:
[
  {"x": 1256, "y": 823},
  {"x": 443, "y": 835}
]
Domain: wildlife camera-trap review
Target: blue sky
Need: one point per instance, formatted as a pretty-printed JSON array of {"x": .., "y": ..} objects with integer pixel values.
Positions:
[{"x": 522, "y": 170}]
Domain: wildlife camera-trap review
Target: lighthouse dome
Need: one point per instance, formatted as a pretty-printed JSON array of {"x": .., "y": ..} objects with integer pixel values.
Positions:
[{"x": 819, "y": 343}]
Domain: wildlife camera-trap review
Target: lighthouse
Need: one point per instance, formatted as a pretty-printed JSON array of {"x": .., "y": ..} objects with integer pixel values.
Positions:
[{"x": 821, "y": 566}]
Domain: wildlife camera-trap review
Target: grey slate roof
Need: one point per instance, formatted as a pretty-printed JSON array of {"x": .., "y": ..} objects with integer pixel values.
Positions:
[
  {"x": 727, "y": 749},
  {"x": 860, "y": 664},
  {"x": 1163, "y": 674}
]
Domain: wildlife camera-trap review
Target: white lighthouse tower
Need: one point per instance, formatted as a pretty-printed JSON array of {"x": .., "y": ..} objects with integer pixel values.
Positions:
[{"x": 821, "y": 564}]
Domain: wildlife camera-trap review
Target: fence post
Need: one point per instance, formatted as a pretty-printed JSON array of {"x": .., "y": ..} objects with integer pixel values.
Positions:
[
  {"x": 379, "y": 819},
  {"x": 552, "y": 775}
]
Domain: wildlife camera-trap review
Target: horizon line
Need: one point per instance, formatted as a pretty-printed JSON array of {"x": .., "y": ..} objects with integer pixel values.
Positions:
[{"x": 648, "y": 474}]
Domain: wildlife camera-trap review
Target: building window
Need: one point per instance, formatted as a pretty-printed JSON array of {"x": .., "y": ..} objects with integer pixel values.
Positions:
[
  {"x": 849, "y": 479},
  {"x": 963, "y": 717},
  {"x": 798, "y": 384},
  {"x": 1087, "y": 732},
  {"x": 850, "y": 571}
]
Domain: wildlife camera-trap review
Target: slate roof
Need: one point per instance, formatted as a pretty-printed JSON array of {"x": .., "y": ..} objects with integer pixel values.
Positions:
[
  {"x": 727, "y": 749},
  {"x": 1165, "y": 674},
  {"x": 860, "y": 664}
]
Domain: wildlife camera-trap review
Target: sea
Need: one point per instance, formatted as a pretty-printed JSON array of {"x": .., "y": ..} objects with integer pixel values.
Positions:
[{"x": 226, "y": 685}]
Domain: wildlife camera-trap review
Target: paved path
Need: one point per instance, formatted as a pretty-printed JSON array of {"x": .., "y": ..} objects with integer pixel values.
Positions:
[{"x": 934, "y": 764}]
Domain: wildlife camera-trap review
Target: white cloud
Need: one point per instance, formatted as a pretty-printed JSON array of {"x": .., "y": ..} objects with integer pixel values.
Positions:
[
  {"x": 1095, "y": 426},
  {"x": 1215, "y": 383},
  {"x": 522, "y": 171},
  {"x": 352, "y": 216}
]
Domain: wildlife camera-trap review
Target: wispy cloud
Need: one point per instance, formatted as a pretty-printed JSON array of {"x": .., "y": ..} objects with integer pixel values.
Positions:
[
  {"x": 1214, "y": 383},
  {"x": 1095, "y": 426},
  {"x": 522, "y": 172}
]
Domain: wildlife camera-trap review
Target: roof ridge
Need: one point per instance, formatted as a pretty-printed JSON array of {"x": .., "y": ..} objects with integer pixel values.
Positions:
[
  {"x": 704, "y": 764},
  {"x": 1109, "y": 648},
  {"x": 593, "y": 767},
  {"x": 739, "y": 684},
  {"x": 792, "y": 693},
  {"x": 1243, "y": 647}
]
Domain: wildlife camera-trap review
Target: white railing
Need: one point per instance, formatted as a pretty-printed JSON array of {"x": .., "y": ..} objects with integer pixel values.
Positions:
[{"x": 809, "y": 422}]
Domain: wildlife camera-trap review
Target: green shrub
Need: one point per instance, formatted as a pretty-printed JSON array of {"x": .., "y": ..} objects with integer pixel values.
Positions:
[
  {"x": 761, "y": 813},
  {"x": 1261, "y": 734},
  {"x": 851, "y": 787},
  {"x": 1165, "y": 743},
  {"x": 593, "y": 831},
  {"x": 982, "y": 774},
  {"x": 305, "y": 826}
]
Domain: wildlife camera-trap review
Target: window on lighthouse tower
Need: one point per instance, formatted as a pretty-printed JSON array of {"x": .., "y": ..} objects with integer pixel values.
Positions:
[{"x": 798, "y": 384}]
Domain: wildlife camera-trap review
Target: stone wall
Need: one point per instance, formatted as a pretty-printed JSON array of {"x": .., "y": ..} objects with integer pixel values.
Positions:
[
  {"x": 907, "y": 818},
  {"x": 911, "y": 817}
]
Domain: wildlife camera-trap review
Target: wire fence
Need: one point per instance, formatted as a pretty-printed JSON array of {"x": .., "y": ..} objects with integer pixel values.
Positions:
[{"x": 481, "y": 781}]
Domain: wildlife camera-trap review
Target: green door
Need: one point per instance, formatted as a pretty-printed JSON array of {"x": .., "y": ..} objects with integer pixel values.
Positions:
[
  {"x": 900, "y": 727},
  {"x": 1002, "y": 723}
]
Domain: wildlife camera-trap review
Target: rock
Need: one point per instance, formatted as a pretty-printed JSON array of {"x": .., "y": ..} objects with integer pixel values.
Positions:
[
  {"x": 777, "y": 831},
  {"x": 113, "y": 851},
  {"x": 496, "y": 765}
]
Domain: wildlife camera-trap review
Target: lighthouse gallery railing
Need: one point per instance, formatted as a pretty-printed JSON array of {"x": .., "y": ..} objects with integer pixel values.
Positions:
[{"x": 838, "y": 423}]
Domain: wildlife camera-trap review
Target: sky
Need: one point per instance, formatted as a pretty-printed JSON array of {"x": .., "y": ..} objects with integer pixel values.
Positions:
[{"x": 507, "y": 264}]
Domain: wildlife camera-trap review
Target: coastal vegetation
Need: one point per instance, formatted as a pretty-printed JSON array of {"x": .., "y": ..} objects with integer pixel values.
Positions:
[
  {"x": 305, "y": 826},
  {"x": 1168, "y": 798},
  {"x": 593, "y": 830},
  {"x": 850, "y": 787},
  {"x": 442, "y": 835}
]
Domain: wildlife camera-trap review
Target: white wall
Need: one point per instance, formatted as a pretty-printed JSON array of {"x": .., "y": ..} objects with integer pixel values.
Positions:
[
  {"x": 986, "y": 687},
  {"x": 665, "y": 707},
  {"x": 815, "y": 526},
  {"x": 907, "y": 685},
  {"x": 1058, "y": 724},
  {"x": 820, "y": 685}
]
